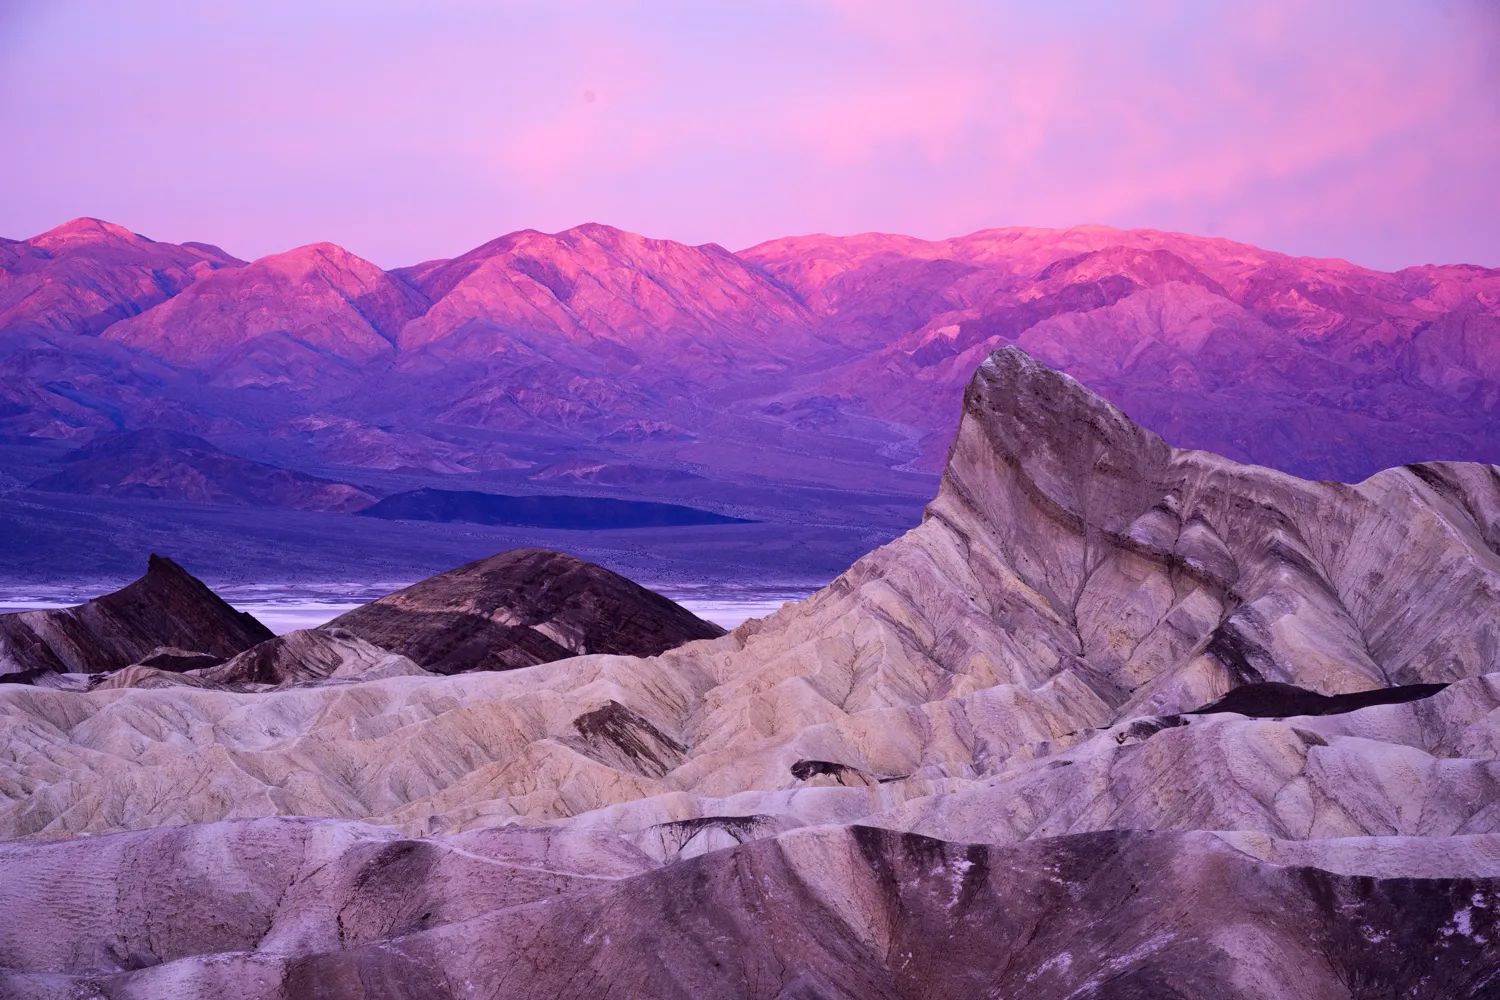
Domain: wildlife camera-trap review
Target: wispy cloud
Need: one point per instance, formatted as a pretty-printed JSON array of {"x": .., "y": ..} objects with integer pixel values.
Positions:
[{"x": 1368, "y": 130}]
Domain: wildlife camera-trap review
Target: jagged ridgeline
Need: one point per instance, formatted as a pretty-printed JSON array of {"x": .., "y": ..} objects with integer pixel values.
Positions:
[{"x": 1117, "y": 720}]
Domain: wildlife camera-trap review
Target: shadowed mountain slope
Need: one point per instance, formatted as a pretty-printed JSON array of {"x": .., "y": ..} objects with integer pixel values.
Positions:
[
  {"x": 520, "y": 608},
  {"x": 1279, "y": 701},
  {"x": 166, "y": 465},
  {"x": 58, "y": 291}
]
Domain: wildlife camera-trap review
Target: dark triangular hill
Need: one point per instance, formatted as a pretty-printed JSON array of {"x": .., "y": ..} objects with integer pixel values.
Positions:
[
  {"x": 166, "y": 607},
  {"x": 520, "y": 608}
]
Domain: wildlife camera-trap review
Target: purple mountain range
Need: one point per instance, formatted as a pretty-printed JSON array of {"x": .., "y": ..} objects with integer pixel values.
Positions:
[{"x": 595, "y": 356}]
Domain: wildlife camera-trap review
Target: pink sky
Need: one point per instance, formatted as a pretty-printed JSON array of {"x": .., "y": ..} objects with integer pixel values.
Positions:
[{"x": 1366, "y": 130}]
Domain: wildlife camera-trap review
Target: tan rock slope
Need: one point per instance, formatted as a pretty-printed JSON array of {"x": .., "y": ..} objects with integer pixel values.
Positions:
[{"x": 974, "y": 765}]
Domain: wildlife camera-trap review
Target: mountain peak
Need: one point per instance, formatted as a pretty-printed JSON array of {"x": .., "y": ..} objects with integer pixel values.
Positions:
[
  {"x": 320, "y": 256},
  {"x": 599, "y": 231},
  {"x": 213, "y": 250},
  {"x": 1043, "y": 421},
  {"x": 86, "y": 230},
  {"x": 103, "y": 240}
]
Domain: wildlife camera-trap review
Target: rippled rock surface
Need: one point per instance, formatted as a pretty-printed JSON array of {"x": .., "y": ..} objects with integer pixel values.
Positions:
[{"x": 1117, "y": 720}]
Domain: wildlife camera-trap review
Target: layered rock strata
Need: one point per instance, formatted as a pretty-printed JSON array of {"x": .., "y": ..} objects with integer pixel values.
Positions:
[
  {"x": 168, "y": 607},
  {"x": 300, "y": 658},
  {"x": 1003, "y": 755},
  {"x": 520, "y": 608},
  {"x": 297, "y": 908}
]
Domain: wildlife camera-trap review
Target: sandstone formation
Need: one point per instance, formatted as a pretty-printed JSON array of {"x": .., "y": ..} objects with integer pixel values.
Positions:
[
  {"x": 1117, "y": 720},
  {"x": 520, "y": 608},
  {"x": 167, "y": 607},
  {"x": 310, "y": 655},
  {"x": 303, "y": 657}
]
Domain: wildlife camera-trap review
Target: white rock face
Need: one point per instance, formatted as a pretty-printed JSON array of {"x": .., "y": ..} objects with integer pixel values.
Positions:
[{"x": 1022, "y": 667}]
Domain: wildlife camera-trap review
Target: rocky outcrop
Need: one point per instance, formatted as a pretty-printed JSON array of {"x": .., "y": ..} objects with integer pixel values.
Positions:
[
  {"x": 1078, "y": 585},
  {"x": 307, "y": 656},
  {"x": 303, "y": 657},
  {"x": 167, "y": 607},
  {"x": 520, "y": 608},
  {"x": 293, "y": 886}
]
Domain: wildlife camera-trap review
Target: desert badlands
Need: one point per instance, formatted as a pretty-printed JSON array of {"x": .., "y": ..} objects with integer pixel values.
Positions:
[{"x": 1117, "y": 720}]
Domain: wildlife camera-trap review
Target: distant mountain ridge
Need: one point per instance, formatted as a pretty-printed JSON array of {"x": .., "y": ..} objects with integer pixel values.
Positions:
[
  {"x": 86, "y": 274},
  {"x": 817, "y": 359},
  {"x": 169, "y": 465},
  {"x": 547, "y": 511}
]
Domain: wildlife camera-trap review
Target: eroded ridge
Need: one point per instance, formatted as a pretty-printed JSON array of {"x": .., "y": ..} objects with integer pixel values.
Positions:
[{"x": 1104, "y": 676}]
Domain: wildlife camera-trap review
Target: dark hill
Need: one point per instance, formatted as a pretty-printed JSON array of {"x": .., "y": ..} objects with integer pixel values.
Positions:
[
  {"x": 579, "y": 513},
  {"x": 166, "y": 607},
  {"x": 520, "y": 608}
]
